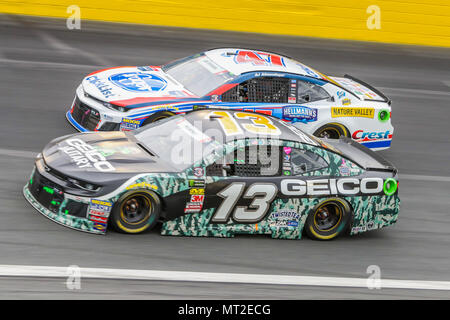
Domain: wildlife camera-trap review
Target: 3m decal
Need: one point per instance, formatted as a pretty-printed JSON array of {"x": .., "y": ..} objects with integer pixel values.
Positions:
[
  {"x": 195, "y": 198},
  {"x": 337, "y": 112},
  {"x": 142, "y": 185}
]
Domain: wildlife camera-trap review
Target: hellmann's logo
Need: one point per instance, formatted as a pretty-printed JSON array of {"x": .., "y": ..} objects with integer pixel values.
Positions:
[{"x": 337, "y": 112}]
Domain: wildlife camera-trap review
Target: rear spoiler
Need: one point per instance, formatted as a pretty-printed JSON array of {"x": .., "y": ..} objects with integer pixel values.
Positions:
[
  {"x": 362, "y": 156},
  {"x": 378, "y": 92}
]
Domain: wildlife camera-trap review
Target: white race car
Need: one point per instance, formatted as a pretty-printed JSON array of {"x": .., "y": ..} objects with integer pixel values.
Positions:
[{"x": 125, "y": 98}]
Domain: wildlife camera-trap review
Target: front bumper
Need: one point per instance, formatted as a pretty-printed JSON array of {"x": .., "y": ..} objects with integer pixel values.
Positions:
[
  {"x": 56, "y": 205},
  {"x": 88, "y": 114}
]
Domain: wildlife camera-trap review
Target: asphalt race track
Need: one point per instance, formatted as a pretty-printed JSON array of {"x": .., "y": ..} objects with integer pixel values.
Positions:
[{"x": 41, "y": 63}]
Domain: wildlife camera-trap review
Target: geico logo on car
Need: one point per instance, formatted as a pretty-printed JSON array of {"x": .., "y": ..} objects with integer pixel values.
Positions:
[
  {"x": 345, "y": 186},
  {"x": 85, "y": 156},
  {"x": 360, "y": 134}
]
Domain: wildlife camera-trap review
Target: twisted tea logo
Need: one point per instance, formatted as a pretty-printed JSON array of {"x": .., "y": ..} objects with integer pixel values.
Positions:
[{"x": 139, "y": 82}]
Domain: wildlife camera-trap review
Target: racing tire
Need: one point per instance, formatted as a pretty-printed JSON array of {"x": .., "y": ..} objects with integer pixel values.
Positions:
[
  {"x": 332, "y": 131},
  {"x": 329, "y": 219},
  {"x": 158, "y": 116},
  {"x": 136, "y": 211}
]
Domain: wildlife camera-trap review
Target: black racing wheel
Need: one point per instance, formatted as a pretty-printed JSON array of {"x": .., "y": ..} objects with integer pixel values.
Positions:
[
  {"x": 136, "y": 211},
  {"x": 328, "y": 220},
  {"x": 158, "y": 116},
  {"x": 332, "y": 131}
]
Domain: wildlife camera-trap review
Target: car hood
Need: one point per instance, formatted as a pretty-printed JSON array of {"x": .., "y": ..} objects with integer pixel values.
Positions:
[
  {"x": 101, "y": 157},
  {"x": 121, "y": 84}
]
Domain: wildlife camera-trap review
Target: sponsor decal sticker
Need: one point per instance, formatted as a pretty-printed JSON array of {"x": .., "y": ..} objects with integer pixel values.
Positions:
[
  {"x": 138, "y": 81},
  {"x": 300, "y": 113},
  {"x": 292, "y": 100},
  {"x": 284, "y": 219},
  {"x": 99, "y": 208},
  {"x": 197, "y": 191},
  {"x": 142, "y": 185},
  {"x": 104, "y": 88},
  {"x": 197, "y": 198},
  {"x": 198, "y": 172},
  {"x": 346, "y": 102},
  {"x": 99, "y": 226},
  {"x": 86, "y": 156},
  {"x": 129, "y": 124},
  {"x": 194, "y": 183},
  {"x": 368, "y": 136},
  {"x": 343, "y": 186},
  {"x": 345, "y": 171},
  {"x": 99, "y": 219},
  {"x": 338, "y": 112},
  {"x": 193, "y": 207},
  {"x": 258, "y": 58}
]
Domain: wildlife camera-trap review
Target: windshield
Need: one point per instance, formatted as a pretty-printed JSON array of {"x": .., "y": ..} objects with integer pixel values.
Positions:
[
  {"x": 177, "y": 141},
  {"x": 199, "y": 74}
]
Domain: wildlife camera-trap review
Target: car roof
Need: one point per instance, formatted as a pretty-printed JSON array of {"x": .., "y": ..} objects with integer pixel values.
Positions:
[
  {"x": 208, "y": 121},
  {"x": 239, "y": 61}
]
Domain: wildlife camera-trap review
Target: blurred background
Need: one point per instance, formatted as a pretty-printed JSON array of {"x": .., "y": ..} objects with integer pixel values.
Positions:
[{"x": 400, "y": 47}]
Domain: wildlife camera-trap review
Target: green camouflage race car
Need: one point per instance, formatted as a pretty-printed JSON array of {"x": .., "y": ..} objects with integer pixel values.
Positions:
[{"x": 214, "y": 173}]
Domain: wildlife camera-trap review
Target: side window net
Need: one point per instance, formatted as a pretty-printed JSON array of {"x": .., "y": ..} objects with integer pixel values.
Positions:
[
  {"x": 303, "y": 161},
  {"x": 310, "y": 92},
  {"x": 264, "y": 89},
  {"x": 248, "y": 162}
]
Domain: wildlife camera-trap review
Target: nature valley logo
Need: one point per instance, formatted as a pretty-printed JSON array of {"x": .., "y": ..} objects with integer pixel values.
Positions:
[{"x": 337, "y": 112}]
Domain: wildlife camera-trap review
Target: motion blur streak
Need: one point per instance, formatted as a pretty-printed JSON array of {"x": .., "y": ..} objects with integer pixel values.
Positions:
[{"x": 34, "y": 97}]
